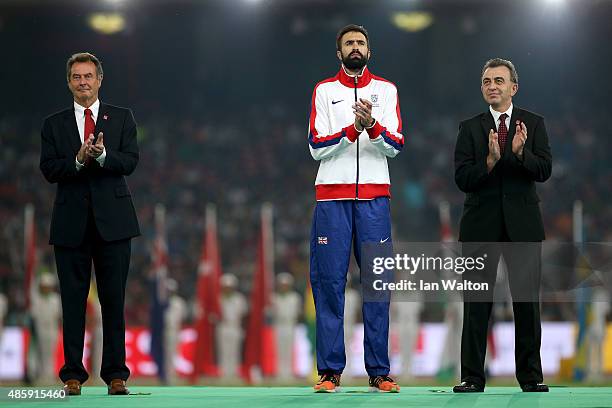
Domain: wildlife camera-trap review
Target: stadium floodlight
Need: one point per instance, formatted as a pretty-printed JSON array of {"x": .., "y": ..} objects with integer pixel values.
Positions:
[
  {"x": 106, "y": 23},
  {"x": 412, "y": 21}
]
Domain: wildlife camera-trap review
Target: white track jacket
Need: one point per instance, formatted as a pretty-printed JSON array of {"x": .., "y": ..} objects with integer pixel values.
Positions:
[{"x": 353, "y": 164}]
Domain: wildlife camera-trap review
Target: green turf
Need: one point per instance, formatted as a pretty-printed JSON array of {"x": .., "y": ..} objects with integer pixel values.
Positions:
[{"x": 259, "y": 397}]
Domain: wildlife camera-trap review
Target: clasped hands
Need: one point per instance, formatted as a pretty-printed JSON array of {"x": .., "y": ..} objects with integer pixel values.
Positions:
[
  {"x": 90, "y": 150},
  {"x": 363, "y": 114}
]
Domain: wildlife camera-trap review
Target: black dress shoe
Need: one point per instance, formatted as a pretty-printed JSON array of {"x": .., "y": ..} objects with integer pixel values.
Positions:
[
  {"x": 117, "y": 387},
  {"x": 467, "y": 386},
  {"x": 534, "y": 387},
  {"x": 72, "y": 387}
]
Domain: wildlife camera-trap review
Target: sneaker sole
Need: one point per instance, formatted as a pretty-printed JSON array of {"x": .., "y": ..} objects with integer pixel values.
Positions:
[
  {"x": 374, "y": 389},
  {"x": 325, "y": 391}
]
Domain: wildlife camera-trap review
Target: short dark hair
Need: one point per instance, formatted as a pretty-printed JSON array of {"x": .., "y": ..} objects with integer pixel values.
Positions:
[
  {"x": 500, "y": 62},
  {"x": 348, "y": 29},
  {"x": 84, "y": 57}
]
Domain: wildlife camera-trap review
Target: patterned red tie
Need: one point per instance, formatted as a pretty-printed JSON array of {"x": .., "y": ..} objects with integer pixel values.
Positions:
[
  {"x": 90, "y": 127},
  {"x": 502, "y": 133}
]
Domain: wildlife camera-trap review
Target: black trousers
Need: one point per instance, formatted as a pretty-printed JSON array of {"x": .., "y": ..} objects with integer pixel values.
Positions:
[
  {"x": 523, "y": 261},
  {"x": 111, "y": 261}
]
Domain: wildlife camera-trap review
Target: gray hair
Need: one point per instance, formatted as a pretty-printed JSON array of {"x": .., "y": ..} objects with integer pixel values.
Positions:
[
  {"x": 84, "y": 57},
  {"x": 500, "y": 62}
]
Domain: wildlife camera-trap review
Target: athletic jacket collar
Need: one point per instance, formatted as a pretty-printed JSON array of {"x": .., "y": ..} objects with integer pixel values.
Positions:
[{"x": 349, "y": 80}]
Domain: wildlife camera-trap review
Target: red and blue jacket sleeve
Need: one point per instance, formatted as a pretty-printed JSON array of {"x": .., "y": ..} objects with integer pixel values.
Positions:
[
  {"x": 322, "y": 141},
  {"x": 386, "y": 134}
]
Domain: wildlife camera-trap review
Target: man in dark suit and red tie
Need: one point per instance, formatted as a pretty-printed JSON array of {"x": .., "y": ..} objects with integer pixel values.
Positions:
[
  {"x": 87, "y": 150},
  {"x": 499, "y": 156}
]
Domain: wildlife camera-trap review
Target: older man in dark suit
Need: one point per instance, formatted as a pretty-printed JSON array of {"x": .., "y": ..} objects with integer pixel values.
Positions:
[
  {"x": 88, "y": 149},
  {"x": 499, "y": 156}
]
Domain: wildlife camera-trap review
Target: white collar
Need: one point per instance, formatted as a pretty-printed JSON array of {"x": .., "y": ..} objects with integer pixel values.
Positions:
[
  {"x": 80, "y": 110},
  {"x": 497, "y": 114},
  {"x": 351, "y": 75}
]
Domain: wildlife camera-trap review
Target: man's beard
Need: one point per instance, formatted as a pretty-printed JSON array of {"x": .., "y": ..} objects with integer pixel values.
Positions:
[{"x": 354, "y": 62}]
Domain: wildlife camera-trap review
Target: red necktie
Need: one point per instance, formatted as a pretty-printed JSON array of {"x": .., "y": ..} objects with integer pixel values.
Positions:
[
  {"x": 90, "y": 127},
  {"x": 502, "y": 133}
]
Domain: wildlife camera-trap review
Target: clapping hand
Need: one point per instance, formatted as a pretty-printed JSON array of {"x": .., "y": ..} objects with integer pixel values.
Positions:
[{"x": 95, "y": 150}]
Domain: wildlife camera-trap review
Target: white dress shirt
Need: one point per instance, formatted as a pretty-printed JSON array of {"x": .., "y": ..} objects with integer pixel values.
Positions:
[
  {"x": 79, "y": 115},
  {"x": 497, "y": 114}
]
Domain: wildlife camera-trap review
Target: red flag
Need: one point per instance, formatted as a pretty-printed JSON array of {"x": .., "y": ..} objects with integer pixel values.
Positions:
[
  {"x": 446, "y": 232},
  {"x": 29, "y": 251},
  {"x": 260, "y": 343},
  {"x": 208, "y": 300},
  {"x": 159, "y": 257}
]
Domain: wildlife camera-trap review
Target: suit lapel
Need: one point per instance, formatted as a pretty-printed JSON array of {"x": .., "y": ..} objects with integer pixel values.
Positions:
[
  {"x": 72, "y": 131},
  {"x": 516, "y": 115},
  {"x": 486, "y": 120},
  {"x": 101, "y": 121}
]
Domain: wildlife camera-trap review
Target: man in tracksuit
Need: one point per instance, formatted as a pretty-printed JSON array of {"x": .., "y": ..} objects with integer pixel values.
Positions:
[{"x": 355, "y": 125}]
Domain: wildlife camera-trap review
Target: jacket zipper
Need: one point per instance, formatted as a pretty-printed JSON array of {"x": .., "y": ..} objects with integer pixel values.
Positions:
[{"x": 357, "y": 180}]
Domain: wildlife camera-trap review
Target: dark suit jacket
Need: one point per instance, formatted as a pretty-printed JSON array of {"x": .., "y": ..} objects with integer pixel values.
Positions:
[
  {"x": 506, "y": 196},
  {"x": 104, "y": 188}
]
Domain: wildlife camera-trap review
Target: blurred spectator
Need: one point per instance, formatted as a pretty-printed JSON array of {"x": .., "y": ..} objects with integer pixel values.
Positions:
[
  {"x": 287, "y": 306},
  {"x": 176, "y": 312},
  {"x": 230, "y": 331},
  {"x": 46, "y": 308}
]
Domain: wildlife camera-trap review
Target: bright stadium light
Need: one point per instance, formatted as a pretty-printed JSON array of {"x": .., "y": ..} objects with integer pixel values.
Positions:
[
  {"x": 556, "y": 7},
  {"x": 555, "y": 3},
  {"x": 106, "y": 23},
  {"x": 412, "y": 21}
]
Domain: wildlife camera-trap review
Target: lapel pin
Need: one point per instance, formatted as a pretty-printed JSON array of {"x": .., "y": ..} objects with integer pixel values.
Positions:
[{"x": 105, "y": 117}]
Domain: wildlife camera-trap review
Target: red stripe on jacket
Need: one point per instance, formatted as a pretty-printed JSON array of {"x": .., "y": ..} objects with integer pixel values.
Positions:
[{"x": 347, "y": 191}]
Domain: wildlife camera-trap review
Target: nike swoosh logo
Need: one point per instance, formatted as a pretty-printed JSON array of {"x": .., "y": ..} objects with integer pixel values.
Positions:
[
  {"x": 335, "y": 102},
  {"x": 382, "y": 241}
]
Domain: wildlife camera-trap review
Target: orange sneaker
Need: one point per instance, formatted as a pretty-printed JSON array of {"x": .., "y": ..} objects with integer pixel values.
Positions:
[
  {"x": 328, "y": 383},
  {"x": 383, "y": 383}
]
